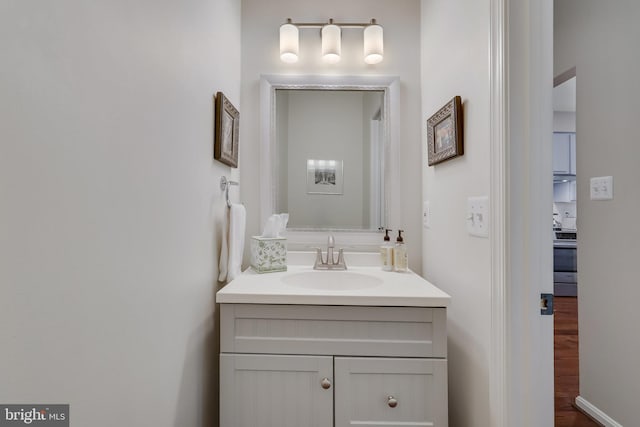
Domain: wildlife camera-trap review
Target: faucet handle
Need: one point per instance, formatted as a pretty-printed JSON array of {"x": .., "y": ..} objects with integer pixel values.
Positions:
[
  {"x": 331, "y": 242},
  {"x": 341, "y": 262},
  {"x": 319, "y": 260}
]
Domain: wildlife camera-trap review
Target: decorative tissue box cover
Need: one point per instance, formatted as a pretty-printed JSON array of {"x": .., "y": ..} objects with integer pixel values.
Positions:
[{"x": 268, "y": 254}]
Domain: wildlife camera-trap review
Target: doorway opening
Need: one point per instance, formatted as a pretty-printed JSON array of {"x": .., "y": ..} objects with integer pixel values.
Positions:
[{"x": 565, "y": 265}]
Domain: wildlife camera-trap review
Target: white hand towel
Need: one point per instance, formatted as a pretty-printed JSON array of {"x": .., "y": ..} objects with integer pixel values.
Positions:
[
  {"x": 224, "y": 247},
  {"x": 232, "y": 243}
]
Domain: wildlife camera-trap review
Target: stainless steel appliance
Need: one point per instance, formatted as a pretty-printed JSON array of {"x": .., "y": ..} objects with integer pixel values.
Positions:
[{"x": 565, "y": 264}]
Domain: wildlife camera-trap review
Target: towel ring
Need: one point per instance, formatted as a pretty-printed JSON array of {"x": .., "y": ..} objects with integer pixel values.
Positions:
[{"x": 224, "y": 186}]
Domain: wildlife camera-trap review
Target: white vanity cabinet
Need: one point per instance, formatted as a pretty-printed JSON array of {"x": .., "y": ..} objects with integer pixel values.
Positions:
[{"x": 324, "y": 366}]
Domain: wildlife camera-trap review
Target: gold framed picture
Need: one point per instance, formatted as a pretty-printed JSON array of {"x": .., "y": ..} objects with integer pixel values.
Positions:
[
  {"x": 227, "y": 124},
  {"x": 444, "y": 133}
]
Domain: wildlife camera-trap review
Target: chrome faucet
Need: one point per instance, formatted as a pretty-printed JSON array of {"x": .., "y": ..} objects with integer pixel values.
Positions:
[{"x": 330, "y": 263}]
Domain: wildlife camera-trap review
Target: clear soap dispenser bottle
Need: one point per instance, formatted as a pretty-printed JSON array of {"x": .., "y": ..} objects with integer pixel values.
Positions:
[
  {"x": 386, "y": 252},
  {"x": 400, "y": 259}
]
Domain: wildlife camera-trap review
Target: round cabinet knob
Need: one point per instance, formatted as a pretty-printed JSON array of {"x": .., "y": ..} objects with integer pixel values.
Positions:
[
  {"x": 392, "y": 402},
  {"x": 325, "y": 383}
]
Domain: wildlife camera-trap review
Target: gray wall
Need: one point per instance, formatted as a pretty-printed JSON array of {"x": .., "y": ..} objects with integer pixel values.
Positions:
[
  {"x": 452, "y": 259},
  {"x": 564, "y": 121},
  {"x": 110, "y": 210},
  {"x": 600, "y": 39}
]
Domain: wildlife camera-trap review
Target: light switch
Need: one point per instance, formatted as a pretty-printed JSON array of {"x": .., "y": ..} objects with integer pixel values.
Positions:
[
  {"x": 426, "y": 215},
  {"x": 601, "y": 188},
  {"x": 478, "y": 216}
]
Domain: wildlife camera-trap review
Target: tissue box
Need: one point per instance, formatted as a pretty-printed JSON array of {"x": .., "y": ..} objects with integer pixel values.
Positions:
[{"x": 268, "y": 254}]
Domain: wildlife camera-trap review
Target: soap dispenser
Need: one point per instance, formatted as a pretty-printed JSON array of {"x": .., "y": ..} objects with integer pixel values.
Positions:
[
  {"x": 386, "y": 252},
  {"x": 400, "y": 259}
]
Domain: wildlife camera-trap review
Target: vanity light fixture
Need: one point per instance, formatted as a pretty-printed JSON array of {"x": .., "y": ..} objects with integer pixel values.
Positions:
[
  {"x": 289, "y": 45},
  {"x": 331, "y": 38},
  {"x": 373, "y": 43},
  {"x": 331, "y": 34}
]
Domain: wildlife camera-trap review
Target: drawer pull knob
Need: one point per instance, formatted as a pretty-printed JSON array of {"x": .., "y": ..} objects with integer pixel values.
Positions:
[
  {"x": 325, "y": 383},
  {"x": 392, "y": 402}
]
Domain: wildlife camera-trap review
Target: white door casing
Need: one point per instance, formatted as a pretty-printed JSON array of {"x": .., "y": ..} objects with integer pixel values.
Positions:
[{"x": 521, "y": 371}]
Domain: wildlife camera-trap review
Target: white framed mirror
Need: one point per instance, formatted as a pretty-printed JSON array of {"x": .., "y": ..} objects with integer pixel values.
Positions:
[{"x": 329, "y": 157}]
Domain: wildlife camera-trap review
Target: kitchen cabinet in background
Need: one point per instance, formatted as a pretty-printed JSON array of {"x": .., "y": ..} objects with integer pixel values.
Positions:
[
  {"x": 564, "y": 191},
  {"x": 564, "y": 153}
]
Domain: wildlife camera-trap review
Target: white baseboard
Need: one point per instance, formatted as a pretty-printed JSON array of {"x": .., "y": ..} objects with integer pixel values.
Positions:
[{"x": 596, "y": 413}]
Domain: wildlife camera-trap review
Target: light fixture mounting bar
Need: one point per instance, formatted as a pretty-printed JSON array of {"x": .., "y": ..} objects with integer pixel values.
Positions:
[
  {"x": 339, "y": 24},
  {"x": 331, "y": 35}
]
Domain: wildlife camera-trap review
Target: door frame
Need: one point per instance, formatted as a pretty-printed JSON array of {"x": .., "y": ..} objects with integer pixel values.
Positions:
[{"x": 521, "y": 84}]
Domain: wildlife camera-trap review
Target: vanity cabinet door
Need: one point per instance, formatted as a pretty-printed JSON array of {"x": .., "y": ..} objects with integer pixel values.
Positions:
[
  {"x": 374, "y": 392},
  {"x": 276, "y": 390}
]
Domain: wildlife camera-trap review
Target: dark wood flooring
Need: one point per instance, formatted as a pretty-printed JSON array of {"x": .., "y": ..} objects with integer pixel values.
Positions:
[{"x": 566, "y": 364}]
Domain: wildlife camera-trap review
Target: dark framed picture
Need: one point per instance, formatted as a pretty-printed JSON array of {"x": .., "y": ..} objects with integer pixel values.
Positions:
[
  {"x": 444, "y": 133},
  {"x": 325, "y": 177},
  {"x": 227, "y": 124}
]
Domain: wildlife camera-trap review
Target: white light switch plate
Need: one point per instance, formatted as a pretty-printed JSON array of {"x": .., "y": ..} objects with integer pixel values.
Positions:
[
  {"x": 478, "y": 216},
  {"x": 601, "y": 188},
  {"x": 426, "y": 215}
]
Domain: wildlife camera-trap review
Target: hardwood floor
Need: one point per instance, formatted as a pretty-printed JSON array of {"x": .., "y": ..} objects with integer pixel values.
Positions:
[{"x": 566, "y": 364}]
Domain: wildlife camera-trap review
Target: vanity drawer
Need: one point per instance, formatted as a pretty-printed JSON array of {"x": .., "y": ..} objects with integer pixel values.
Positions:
[
  {"x": 333, "y": 330},
  {"x": 371, "y": 392}
]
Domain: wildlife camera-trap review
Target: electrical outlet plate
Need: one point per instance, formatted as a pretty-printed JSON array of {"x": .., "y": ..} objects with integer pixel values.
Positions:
[
  {"x": 601, "y": 188},
  {"x": 426, "y": 215},
  {"x": 478, "y": 216}
]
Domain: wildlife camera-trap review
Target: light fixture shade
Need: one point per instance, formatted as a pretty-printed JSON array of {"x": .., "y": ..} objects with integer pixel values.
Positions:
[
  {"x": 289, "y": 44},
  {"x": 373, "y": 44},
  {"x": 331, "y": 43}
]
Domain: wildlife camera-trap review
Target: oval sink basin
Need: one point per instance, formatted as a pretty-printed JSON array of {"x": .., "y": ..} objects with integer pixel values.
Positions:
[{"x": 332, "y": 280}]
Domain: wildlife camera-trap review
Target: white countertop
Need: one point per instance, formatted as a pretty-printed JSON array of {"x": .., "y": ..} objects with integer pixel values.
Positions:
[{"x": 391, "y": 289}]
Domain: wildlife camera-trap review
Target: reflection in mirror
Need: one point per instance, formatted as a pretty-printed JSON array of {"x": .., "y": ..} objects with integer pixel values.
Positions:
[{"x": 330, "y": 147}]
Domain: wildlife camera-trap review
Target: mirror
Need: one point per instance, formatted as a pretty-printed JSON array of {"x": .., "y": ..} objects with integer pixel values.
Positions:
[{"x": 329, "y": 156}]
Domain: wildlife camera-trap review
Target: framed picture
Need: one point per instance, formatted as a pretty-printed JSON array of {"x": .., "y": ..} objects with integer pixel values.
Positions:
[
  {"x": 227, "y": 124},
  {"x": 444, "y": 133},
  {"x": 324, "y": 177}
]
